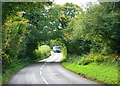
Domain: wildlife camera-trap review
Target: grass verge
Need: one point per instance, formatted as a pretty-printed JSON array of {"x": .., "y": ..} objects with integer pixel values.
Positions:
[
  {"x": 15, "y": 67},
  {"x": 104, "y": 73},
  {"x": 0, "y": 79}
]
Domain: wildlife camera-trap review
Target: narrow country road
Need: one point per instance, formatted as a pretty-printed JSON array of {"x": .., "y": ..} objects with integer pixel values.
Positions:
[{"x": 48, "y": 71}]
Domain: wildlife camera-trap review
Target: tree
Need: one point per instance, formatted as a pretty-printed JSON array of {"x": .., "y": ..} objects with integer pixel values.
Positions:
[
  {"x": 14, "y": 31},
  {"x": 98, "y": 26},
  {"x": 49, "y": 23},
  {"x": 11, "y": 8}
]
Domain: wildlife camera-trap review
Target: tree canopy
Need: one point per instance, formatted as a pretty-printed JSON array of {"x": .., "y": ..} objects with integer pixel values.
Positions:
[{"x": 26, "y": 24}]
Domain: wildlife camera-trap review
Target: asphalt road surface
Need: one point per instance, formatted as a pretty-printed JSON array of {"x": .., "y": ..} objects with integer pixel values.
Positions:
[
  {"x": 55, "y": 57},
  {"x": 48, "y": 71}
]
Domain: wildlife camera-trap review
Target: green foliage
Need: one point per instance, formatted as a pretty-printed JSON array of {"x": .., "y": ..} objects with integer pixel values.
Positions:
[
  {"x": 13, "y": 68},
  {"x": 42, "y": 52},
  {"x": 78, "y": 60},
  {"x": 53, "y": 43},
  {"x": 64, "y": 52},
  {"x": 69, "y": 11},
  {"x": 99, "y": 58},
  {"x": 50, "y": 23},
  {"x": 78, "y": 46},
  {"x": 9, "y": 9},
  {"x": 98, "y": 29},
  {"x": 95, "y": 57},
  {"x": 0, "y": 79},
  {"x": 92, "y": 58},
  {"x": 84, "y": 61},
  {"x": 72, "y": 58},
  {"x": 93, "y": 34},
  {"x": 57, "y": 42},
  {"x": 14, "y": 31}
]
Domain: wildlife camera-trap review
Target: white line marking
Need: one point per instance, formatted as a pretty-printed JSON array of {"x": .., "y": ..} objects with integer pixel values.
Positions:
[
  {"x": 40, "y": 73},
  {"x": 44, "y": 80},
  {"x": 41, "y": 67}
]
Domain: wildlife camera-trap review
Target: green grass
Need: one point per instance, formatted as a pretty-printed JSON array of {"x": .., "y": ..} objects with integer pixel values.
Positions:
[
  {"x": 15, "y": 67},
  {"x": 104, "y": 73},
  {"x": 0, "y": 79}
]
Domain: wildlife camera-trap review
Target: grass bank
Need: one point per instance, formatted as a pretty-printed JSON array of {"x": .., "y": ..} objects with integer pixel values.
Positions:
[
  {"x": 14, "y": 67},
  {"x": 0, "y": 79},
  {"x": 104, "y": 73}
]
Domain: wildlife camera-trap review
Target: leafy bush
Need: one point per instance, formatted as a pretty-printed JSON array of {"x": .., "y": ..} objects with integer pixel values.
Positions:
[
  {"x": 99, "y": 58},
  {"x": 113, "y": 58},
  {"x": 96, "y": 57},
  {"x": 85, "y": 61},
  {"x": 72, "y": 58},
  {"x": 91, "y": 57},
  {"x": 42, "y": 52},
  {"x": 64, "y": 52}
]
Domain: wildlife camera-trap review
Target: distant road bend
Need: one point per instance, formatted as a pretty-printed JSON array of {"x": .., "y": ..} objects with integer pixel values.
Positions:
[{"x": 47, "y": 71}]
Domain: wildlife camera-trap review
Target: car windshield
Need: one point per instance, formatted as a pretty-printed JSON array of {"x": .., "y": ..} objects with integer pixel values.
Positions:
[{"x": 57, "y": 47}]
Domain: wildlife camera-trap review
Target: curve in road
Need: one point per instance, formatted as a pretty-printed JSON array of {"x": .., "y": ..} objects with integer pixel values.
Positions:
[{"x": 48, "y": 71}]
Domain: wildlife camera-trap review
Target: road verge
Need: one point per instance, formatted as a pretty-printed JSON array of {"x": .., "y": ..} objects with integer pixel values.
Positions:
[{"x": 107, "y": 74}]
